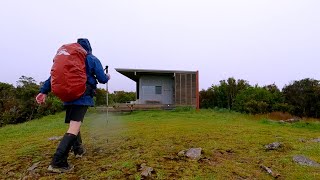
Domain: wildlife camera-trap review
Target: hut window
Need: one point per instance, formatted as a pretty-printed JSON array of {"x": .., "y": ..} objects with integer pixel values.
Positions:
[{"x": 158, "y": 89}]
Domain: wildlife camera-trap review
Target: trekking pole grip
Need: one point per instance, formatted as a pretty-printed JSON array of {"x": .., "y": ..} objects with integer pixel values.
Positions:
[{"x": 106, "y": 69}]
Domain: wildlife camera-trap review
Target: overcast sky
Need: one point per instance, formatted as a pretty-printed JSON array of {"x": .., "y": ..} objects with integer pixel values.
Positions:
[{"x": 262, "y": 41}]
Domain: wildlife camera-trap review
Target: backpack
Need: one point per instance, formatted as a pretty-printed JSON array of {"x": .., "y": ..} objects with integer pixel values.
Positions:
[{"x": 68, "y": 72}]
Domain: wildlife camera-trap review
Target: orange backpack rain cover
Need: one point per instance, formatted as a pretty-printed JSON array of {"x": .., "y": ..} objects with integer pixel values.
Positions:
[{"x": 68, "y": 72}]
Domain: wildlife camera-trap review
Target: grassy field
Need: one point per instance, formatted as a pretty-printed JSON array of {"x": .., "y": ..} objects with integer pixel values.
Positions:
[{"x": 232, "y": 146}]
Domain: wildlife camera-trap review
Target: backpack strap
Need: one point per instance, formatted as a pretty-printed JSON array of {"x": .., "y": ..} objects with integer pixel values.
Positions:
[{"x": 90, "y": 91}]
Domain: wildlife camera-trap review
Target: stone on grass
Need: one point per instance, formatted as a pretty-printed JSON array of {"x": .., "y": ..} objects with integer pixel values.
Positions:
[
  {"x": 194, "y": 153},
  {"x": 145, "y": 170},
  {"x": 34, "y": 166},
  {"x": 55, "y": 138},
  {"x": 31, "y": 172},
  {"x": 302, "y": 160},
  {"x": 273, "y": 146},
  {"x": 315, "y": 140},
  {"x": 292, "y": 120},
  {"x": 269, "y": 171}
]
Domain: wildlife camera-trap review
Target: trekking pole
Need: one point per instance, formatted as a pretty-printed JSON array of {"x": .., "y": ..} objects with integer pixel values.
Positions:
[{"x": 107, "y": 98}]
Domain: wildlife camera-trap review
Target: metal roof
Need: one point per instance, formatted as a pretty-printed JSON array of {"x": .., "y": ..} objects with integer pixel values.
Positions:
[{"x": 135, "y": 74}]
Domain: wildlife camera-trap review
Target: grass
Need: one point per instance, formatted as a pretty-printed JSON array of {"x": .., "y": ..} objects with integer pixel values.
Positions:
[{"x": 232, "y": 144}]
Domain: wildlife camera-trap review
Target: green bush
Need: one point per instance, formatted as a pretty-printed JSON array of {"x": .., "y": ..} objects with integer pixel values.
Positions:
[
  {"x": 303, "y": 97},
  {"x": 17, "y": 104},
  {"x": 258, "y": 100}
]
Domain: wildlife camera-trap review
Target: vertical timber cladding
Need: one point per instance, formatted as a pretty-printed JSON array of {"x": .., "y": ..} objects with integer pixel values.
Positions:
[{"x": 185, "y": 89}]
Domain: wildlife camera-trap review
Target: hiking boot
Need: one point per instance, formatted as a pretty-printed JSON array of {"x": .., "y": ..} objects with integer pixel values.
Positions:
[
  {"x": 59, "y": 161},
  {"x": 79, "y": 152},
  {"x": 56, "y": 169},
  {"x": 77, "y": 147}
]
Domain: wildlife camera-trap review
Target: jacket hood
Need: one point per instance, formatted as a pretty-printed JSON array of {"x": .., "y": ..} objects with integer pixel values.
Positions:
[{"x": 85, "y": 44}]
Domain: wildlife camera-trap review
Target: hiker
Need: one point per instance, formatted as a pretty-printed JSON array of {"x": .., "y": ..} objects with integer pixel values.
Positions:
[{"x": 75, "y": 109}]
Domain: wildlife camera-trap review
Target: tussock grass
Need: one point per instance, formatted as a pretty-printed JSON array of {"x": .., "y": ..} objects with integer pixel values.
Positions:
[{"x": 232, "y": 143}]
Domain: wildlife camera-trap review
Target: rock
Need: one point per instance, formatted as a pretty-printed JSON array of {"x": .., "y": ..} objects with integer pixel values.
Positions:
[
  {"x": 273, "y": 146},
  {"x": 194, "y": 153},
  {"x": 292, "y": 120},
  {"x": 269, "y": 171},
  {"x": 315, "y": 140},
  {"x": 145, "y": 170},
  {"x": 55, "y": 138},
  {"x": 302, "y": 160},
  {"x": 34, "y": 166}
]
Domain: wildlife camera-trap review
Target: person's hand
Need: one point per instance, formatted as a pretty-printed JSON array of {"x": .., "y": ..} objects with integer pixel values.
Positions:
[
  {"x": 109, "y": 77},
  {"x": 41, "y": 98}
]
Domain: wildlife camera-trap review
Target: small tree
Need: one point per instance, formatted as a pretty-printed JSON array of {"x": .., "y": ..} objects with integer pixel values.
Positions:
[
  {"x": 207, "y": 98},
  {"x": 123, "y": 97},
  {"x": 101, "y": 95},
  {"x": 8, "y": 103},
  {"x": 222, "y": 95},
  {"x": 26, "y": 91},
  {"x": 304, "y": 97},
  {"x": 256, "y": 100}
]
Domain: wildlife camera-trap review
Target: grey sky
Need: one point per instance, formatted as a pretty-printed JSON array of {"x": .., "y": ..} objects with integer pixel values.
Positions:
[{"x": 262, "y": 41}]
